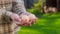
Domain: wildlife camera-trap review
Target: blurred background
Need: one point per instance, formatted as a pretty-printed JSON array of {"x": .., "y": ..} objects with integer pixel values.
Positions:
[{"x": 48, "y": 14}]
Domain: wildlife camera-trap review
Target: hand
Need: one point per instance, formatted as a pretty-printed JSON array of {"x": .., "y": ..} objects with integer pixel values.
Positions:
[
  {"x": 27, "y": 20},
  {"x": 24, "y": 20},
  {"x": 32, "y": 19},
  {"x": 15, "y": 17}
]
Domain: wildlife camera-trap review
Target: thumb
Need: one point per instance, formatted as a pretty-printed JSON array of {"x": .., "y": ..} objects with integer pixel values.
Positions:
[{"x": 18, "y": 19}]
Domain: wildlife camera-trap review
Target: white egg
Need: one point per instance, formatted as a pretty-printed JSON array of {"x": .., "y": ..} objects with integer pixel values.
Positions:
[{"x": 31, "y": 16}]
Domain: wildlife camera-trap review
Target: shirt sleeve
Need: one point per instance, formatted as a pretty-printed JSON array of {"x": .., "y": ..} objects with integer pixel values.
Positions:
[
  {"x": 18, "y": 6},
  {"x": 5, "y": 12}
]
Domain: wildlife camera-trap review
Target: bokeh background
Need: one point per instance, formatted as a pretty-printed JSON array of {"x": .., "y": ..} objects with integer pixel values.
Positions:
[{"x": 46, "y": 23}]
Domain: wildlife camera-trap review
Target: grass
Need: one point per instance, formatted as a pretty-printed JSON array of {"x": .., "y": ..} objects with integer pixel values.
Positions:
[{"x": 47, "y": 24}]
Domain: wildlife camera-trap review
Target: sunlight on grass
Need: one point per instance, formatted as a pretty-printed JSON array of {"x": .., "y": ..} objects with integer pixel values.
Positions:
[
  {"x": 41, "y": 22},
  {"x": 57, "y": 22},
  {"x": 27, "y": 31}
]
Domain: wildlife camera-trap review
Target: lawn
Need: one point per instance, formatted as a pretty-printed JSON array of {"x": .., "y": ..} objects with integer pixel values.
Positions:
[{"x": 46, "y": 24}]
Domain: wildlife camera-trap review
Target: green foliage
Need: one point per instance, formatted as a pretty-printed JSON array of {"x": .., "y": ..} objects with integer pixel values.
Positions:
[
  {"x": 38, "y": 5},
  {"x": 36, "y": 9},
  {"x": 36, "y": 12}
]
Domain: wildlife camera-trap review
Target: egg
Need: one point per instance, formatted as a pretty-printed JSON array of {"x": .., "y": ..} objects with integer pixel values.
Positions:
[
  {"x": 24, "y": 18},
  {"x": 31, "y": 16}
]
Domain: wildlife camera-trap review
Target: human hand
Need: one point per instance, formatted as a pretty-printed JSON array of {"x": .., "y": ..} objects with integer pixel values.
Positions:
[
  {"x": 15, "y": 17},
  {"x": 27, "y": 19}
]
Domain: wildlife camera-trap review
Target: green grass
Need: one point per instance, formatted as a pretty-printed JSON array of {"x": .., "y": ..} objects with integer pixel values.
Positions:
[{"x": 46, "y": 24}]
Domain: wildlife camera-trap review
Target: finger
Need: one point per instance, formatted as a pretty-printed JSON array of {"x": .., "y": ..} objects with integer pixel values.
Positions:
[
  {"x": 30, "y": 22},
  {"x": 18, "y": 19},
  {"x": 25, "y": 24},
  {"x": 36, "y": 19},
  {"x": 19, "y": 24},
  {"x": 33, "y": 21}
]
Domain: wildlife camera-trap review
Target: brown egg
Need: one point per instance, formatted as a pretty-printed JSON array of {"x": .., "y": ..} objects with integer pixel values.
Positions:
[{"x": 24, "y": 18}]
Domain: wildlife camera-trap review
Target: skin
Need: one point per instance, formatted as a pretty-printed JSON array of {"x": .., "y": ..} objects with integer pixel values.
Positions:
[{"x": 24, "y": 22}]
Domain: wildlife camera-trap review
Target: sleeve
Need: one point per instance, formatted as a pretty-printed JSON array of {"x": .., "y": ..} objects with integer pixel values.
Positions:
[
  {"x": 18, "y": 6},
  {"x": 4, "y": 12}
]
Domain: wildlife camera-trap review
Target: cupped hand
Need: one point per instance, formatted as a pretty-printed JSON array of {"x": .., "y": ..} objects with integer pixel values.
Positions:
[
  {"x": 15, "y": 17},
  {"x": 27, "y": 20}
]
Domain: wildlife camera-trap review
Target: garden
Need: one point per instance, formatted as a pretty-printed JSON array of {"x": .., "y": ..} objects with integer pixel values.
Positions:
[{"x": 46, "y": 23}]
